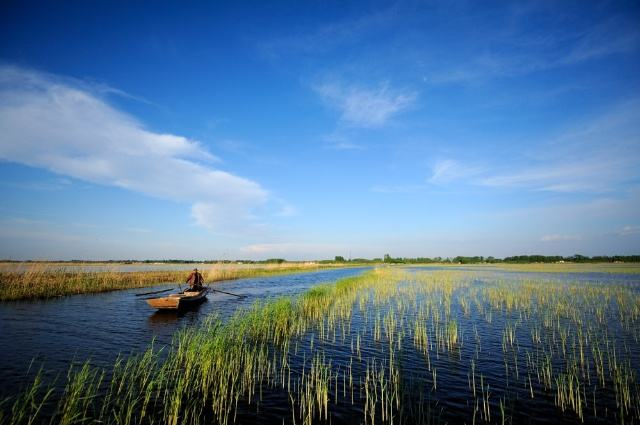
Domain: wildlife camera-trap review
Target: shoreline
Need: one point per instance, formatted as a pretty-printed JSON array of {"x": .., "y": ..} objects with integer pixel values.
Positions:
[{"x": 43, "y": 281}]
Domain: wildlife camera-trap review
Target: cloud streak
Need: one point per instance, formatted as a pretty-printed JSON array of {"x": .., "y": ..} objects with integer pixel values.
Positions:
[
  {"x": 329, "y": 36},
  {"x": 294, "y": 250},
  {"x": 599, "y": 155},
  {"x": 449, "y": 170},
  {"x": 52, "y": 123},
  {"x": 534, "y": 52},
  {"x": 365, "y": 107}
]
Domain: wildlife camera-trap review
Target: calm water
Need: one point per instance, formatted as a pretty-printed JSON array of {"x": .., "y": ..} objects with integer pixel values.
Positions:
[
  {"x": 98, "y": 327},
  {"x": 55, "y": 332}
]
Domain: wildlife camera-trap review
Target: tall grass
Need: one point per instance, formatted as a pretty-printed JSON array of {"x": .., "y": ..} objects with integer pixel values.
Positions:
[
  {"x": 45, "y": 281},
  {"x": 611, "y": 268}
]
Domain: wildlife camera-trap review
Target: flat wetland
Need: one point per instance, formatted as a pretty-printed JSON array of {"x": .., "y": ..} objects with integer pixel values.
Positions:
[{"x": 434, "y": 344}]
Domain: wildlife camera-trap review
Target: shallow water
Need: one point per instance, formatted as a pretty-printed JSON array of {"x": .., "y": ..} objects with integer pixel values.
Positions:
[{"x": 448, "y": 398}]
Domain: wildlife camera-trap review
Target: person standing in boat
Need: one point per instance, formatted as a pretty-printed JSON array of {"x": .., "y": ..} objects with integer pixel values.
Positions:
[{"x": 195, "y": 280}]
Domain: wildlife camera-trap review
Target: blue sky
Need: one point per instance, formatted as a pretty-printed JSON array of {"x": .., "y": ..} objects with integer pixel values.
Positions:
[{"x": 306, "y": 130}]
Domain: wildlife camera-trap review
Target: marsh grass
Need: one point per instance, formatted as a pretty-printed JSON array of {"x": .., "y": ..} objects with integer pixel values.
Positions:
[
  {"x": 385, "y": 344},
  {"x": 45, "y": 281},
  {"x": 27, "y": 407},
  {"x": 610, "y": 268}
]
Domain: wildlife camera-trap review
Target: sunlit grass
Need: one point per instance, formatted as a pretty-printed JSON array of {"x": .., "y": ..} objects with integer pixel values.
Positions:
[
  {"x": 625, "y": 268},
  {"x": 630, "y": 268},
  {"x": 46, "y": 281}
]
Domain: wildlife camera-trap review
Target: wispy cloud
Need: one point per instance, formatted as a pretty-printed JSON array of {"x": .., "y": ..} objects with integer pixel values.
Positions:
[
  {"x": 557, "y": 238},
  {"x": 137, "y": 230},
  {"x": 408, "y": 188},
  {"x": 285, "y": 209},
  {"x": 45, "y": 185},
  {"x": 606, "y": 39},
  {"x": 328, "y": 36},
  {"x": 340, "y": 142},
  {"x": 365, "y": 107},
  {"x": 345, "y": 146},
  {"x": 533, "y": 52},
  {"x": 599, "y": 154},
  {"x": 562, "y": 176},
  {"x": 295, "y": 250},
  {"x": 449, "y": 170},
  {"x": 52, "y": 123}
]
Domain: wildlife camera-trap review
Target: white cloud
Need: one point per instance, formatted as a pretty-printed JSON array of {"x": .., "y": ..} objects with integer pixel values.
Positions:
[
  {"x": 362, "y": 107},
  {"x": 556, "y": 238},
  {"x": 64, "y": 127}
]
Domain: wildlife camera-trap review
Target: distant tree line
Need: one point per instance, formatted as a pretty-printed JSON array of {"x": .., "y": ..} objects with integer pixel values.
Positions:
[
  {"x": 163, "y": 261},
  {"x": 518, "y": 259}
]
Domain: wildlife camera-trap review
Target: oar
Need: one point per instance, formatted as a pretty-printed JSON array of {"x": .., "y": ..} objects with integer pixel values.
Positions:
[
  {"x": 154, "y": 292},
  {"x": 228, "y": 293}
]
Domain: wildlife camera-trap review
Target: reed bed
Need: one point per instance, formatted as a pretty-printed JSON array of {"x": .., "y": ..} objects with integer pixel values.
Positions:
[
  {"x": 45, "y": 281},
  {"x": 607, "y": 268},
  {"x": 610, "y": 268},
  {"x": 387, "y": 347}
]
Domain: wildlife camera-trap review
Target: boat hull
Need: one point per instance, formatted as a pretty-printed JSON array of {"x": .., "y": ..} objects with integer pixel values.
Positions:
[{"x": 178, "y": 301}]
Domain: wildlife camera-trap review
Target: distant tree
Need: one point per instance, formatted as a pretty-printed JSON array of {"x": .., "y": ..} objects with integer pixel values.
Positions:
[
  {"x": 275, "y": 260},
  {"x": 339, "y": 259}
]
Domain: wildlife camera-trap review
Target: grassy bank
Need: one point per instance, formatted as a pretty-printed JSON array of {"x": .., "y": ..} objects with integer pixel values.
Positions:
[
  {"x": 46, "y": 281},
  {"x": 567, "y": 347}
]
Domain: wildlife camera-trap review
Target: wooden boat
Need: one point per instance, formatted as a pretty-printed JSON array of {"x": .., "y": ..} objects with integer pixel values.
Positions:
[{"x": 177, "y": 301}]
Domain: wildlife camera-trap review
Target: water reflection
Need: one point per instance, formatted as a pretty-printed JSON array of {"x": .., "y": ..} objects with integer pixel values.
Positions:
[{"x": 163, "y": 317}]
